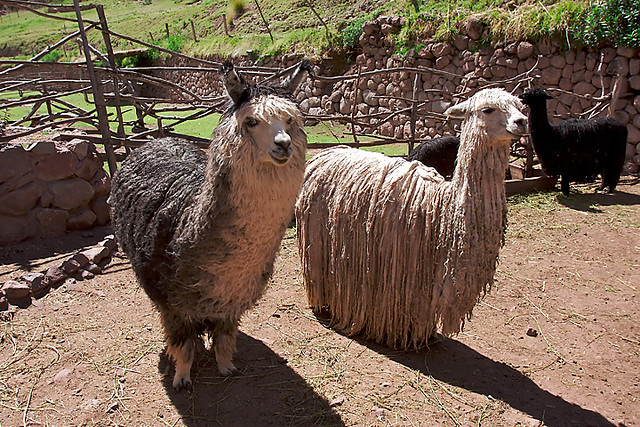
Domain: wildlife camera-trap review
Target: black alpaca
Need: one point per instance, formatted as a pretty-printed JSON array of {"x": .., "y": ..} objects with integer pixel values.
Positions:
[
  {"x": 439, "y": 153},
  {"x": 577, "y": 150}
]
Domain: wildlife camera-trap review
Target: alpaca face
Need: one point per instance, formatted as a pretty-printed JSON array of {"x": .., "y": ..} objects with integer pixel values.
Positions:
[
  {"x": 535, "y": 96},
  {"x": 271, "y": 123},
  {"x": 496, "y": 112},
  {"x": 501, "y": 124},
  {"x": 271, "y": 137}
]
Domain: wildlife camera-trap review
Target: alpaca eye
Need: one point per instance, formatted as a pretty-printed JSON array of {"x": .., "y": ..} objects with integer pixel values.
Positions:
[
  {"x": 251, "y": 122},
  {"x": 488, "y": 110},
  {"x": 290, "y": 121}
]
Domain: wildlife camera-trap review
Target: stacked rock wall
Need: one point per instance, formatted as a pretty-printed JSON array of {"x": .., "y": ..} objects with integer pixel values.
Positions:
[
  {"x": 50, "y": 187},
  {"x": 585, "y": 81}
]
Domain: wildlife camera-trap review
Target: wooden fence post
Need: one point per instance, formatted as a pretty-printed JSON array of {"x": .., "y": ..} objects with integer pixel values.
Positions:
[
  {"x": 264, "y": 20},
  {"x": 98, "y": 95},
  {"x": 356, "y": 86},
  {"x": 224, "y": 22},
  {"x": 112, "y": 62},
  {"x": 414, "y": 111},
  {"x": 193, "y": 31}
]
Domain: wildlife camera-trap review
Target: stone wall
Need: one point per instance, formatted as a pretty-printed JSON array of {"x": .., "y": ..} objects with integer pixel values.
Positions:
[
  {"x": 581, "y": 80},
  {"x": 51, "y": 187},
  {"x": 460, "y": 67},
  {"x": 464, "y": 64}
]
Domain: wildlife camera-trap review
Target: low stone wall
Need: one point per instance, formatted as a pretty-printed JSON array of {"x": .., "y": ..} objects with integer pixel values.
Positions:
[
  {"x": 80, "y": 266},
  {"x": 581, "y": 78},
  {"x": 50, "y": 187}
]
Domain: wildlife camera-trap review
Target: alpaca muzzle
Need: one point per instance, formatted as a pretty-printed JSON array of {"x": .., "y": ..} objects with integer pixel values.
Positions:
[
  {"x": 282, "y": 148},
  {"x": 518, "y": 127}
]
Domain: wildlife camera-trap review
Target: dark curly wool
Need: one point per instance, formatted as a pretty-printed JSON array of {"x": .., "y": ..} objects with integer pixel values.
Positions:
[
  {"x": 158, "y": 182},
  {"x": 577, "y": 150},
  {"x": 439, "y": 153}
]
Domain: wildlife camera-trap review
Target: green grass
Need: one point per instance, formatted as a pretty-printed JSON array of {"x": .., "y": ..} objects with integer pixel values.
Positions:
[
  {"x": 542, "y": 201},
  {"x": 325, "y": 133},
  {"x": 390, "y": 150},
  {"x": 296, "y": 28},
  {"x": 201, "y": 127}
]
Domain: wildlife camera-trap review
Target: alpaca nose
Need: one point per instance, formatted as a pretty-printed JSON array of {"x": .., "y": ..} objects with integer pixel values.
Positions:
[
  {"x": 522, "y": 121},
  {"x": 282, "y": 140}
]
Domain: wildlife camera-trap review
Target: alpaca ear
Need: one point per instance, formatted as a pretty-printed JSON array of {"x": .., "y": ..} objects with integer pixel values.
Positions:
[
  {"x": 233, "y": 82},
  {"x": 458, "y": 111},
  {"x": 292, "y": 82}
]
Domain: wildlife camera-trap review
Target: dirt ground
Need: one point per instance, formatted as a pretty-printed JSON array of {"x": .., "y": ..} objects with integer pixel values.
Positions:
[{"x": 556, "y": 342}]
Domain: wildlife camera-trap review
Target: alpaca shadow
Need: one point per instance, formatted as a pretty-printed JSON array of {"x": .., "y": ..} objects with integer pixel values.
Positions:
[
  {"x": 590, "y": 202},
  {"x": 456, "y": 364},
  {"x": 265, "y": 392}
]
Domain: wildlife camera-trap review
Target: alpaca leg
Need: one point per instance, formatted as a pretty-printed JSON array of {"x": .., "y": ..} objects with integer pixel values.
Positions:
[
  {"x": 610, "y": 180},
  {"x": 183, "y": 356},
  {"x": 224, "y": 347},
  {"x": 180, "y": 347}
]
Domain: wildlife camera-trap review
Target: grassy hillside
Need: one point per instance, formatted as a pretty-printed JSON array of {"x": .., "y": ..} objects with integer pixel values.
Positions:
[{"x": 295, "y": 27}]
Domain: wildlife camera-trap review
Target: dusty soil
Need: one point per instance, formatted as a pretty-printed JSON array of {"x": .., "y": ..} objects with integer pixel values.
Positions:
[{"x": 556, "y": 342}]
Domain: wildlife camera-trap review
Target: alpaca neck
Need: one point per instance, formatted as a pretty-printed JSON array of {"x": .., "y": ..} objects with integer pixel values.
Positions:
[
  {"x": 471, "y": 230},
  {"x": 244, "y": 203},
  {"x": 477, "y": 193},
  {"x": 480, "y": 166},
  {"x": 540, "y": 129}
]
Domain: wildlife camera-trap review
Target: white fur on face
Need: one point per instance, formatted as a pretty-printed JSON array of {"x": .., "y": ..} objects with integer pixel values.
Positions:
[
  {"x": 271, "y": 123},
  {"x": 504, "y": 123},
  {"x": 495, "y": 111}
]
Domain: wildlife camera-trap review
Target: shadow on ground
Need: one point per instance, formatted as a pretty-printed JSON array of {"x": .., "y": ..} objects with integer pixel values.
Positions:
[
  {"x": 459, "y": 365},
  {"x": 589, "y": 202},
  {"x": 266, "y": 391},
  {"x": 31, "y": 254}
]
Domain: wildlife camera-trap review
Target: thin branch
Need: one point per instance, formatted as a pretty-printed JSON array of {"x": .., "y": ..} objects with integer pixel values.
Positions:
[
  {"x": 42, "y": 98},
  {"x": 48, "y": 49},
  {"x": 6, "y": 138},
  {"x": 161, "y": 49},
  {"x": 326, "y": 28},
  {"x": 264, "y": 19}
]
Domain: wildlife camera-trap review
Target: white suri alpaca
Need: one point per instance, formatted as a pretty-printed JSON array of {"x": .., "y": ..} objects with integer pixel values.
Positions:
[
  {"x": 201, "y": 231},
  {"x": 390, "y": 248}
]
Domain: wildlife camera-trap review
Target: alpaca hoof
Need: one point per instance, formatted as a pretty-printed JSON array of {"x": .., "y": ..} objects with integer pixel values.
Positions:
[
  {"x": 227, "y": 370},
  {"x": 182, "y": 383}
]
